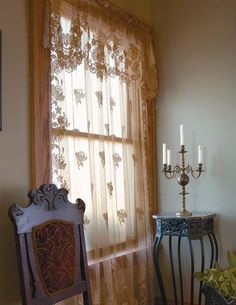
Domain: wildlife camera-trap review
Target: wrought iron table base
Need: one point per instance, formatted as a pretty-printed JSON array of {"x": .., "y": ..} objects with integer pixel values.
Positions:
[{"x": 194, "y": 228}]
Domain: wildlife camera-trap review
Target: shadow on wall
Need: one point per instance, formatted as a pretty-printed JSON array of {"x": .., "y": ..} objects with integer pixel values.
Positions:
[
  {"x": 228, "y": 223},
  {"x": 9, "y": 280}
]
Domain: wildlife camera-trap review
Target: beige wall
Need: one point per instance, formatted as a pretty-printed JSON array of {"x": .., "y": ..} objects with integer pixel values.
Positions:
[
  {"x": 196, "y": 54},
  {"x": 138, "y": 8},
  {"x": 15, "y": 137}
]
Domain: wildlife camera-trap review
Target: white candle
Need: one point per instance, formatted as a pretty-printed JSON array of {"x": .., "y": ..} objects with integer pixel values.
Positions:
[
  {"x": 199, "y": 154},
  {"x": 181, "y": 129},
  {"x": 164, "y": 153},
  {"x": 168, "y": 157}
]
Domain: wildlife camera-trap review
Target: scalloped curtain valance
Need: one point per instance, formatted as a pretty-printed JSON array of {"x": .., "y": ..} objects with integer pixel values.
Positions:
[{"x": 123, "y": 47}]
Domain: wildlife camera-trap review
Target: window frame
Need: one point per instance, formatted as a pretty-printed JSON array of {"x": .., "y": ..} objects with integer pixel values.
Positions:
[
  {"x": 40, "y": 112},
  {"x": 40, "y": 97}
]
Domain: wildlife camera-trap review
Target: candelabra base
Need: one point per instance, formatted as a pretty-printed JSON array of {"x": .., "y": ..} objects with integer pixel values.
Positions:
[{"x": 183, "y": 213}]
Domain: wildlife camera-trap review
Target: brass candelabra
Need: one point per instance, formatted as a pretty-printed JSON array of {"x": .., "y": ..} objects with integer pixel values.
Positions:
[{"x": 182, "y": 172}]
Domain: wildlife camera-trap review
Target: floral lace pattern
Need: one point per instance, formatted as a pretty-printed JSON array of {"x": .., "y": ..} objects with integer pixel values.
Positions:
[
  {"x": 103, "y": 54},
  {"x": 59, "y": 164},
  {"x": 105, "y": 217},
  {"x": 110, "y": 188},
  {"x": 122, "y": 215},
  {"x": 140, "y": 213},
  {"x": 118, "y": 270},
  {"x": 112, "y": 103},
  {"x": 99, "y": 96},
  {"x": 116, "y": 159},
  {"x": 107, "y": 128},
  {"x": 102, "y": 157},
  {"x": 81, "y": 158},
  {"x": 58, "y": 159},
  {"x": 102, "y": 79},
  {"x": 79, "y": 95},
  {"x": 59, "y": 118}
]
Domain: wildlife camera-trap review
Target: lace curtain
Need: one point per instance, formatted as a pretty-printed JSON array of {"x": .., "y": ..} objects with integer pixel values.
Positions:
[{"x": 103, "y": 77}]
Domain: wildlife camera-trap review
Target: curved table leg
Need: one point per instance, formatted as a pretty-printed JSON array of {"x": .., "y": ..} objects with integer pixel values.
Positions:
[
  {"x": 216, "y": 246},
  {"x": 180, "y": 271},
  {"x": 212, "y": 250},
  {"x": 156, "y": 248},
  {"x": 202, "y": 269},
  {"x": 192, "y": 271},
  {"x": 172, "y": 270}
]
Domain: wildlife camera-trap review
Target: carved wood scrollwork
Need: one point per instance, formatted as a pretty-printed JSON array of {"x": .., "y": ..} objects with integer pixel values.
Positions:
[
  {"x": 179, "y": 227},
  {"x": 172, "y": 227},
  {"x": 46, "y": 203},
  {"x": 15, "y": 211},
  {"x": 80, "y": 204},
  {"x": 48, "y": 197}
]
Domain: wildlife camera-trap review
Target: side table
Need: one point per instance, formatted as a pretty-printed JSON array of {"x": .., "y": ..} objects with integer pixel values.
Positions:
[{"x": 193, "y": 227}]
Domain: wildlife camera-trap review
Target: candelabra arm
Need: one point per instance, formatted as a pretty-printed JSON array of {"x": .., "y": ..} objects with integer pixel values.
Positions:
[
  {"x": 169, "y": 173},
  {"x": 196, "y": 173}
]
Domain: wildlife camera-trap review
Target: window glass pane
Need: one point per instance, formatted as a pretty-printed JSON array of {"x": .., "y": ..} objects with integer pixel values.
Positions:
[
  {"x": 87, "y": 103},
  {"x": 90, "y": 169},
  {"x": 86, "y": 159}
]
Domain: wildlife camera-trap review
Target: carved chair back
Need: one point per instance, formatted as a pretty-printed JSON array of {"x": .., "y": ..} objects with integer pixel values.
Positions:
[{"x": 50, "y": 247}]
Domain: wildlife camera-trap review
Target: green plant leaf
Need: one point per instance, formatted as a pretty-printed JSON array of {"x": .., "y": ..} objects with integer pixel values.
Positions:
[
  {"x": 224, "y": 280},
  {"x": 198, "y": 276}
]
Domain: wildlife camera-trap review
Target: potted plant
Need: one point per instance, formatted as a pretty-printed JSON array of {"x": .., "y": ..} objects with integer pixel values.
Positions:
[{"x": 219, "y": 285}]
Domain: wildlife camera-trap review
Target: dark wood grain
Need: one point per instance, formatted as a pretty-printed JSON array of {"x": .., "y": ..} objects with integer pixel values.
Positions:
[{"x": 48, "y": 204}]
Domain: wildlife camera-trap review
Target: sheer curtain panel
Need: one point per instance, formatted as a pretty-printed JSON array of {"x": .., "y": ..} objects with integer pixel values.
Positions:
[{"x": 102, "y": 133}]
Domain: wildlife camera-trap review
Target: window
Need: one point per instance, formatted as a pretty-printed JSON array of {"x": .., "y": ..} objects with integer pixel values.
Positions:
[
  {"x": 93, "y": 92},
  {"x": 92, "y": 144}
]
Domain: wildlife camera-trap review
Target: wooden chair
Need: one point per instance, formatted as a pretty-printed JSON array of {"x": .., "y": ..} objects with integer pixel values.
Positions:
[{"x": 51, "y": 247}]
